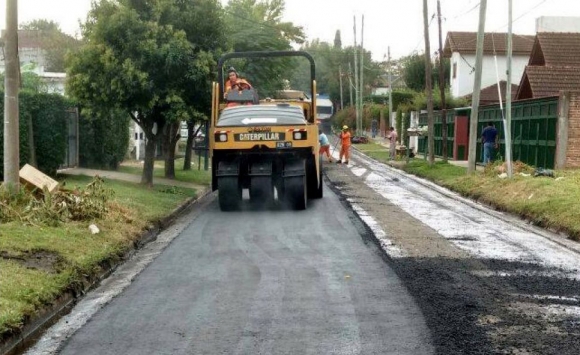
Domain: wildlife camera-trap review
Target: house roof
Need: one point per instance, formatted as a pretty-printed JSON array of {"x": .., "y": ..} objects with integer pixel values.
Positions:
[
  {"x": 466, "y": 43},
  {"x": 542, "y": 81},
  {"x": 556, "y": 49},
  {"x": 489, "y": 95},
  {"x": 29, "y": 39}
]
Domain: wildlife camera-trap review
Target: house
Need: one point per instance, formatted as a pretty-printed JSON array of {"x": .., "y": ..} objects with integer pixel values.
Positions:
[
  {"x": 29, "y": 50},
  {"x": 554, "y": 65},
  {"x": 460, "y": 48},
  {"x": 32, "y": 57}
]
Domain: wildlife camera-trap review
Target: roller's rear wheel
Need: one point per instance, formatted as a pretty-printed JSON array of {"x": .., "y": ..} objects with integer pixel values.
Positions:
[
  {"x": 230, "y": 193},
  {"x": 295, "y": 192}
]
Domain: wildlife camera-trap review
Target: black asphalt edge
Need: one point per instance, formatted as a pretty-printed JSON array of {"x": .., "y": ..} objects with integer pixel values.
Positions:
[
  {"x": 49, "y": 315},
  {"x": 553, "y": 235},
  {"x": 443, "y": 341}
]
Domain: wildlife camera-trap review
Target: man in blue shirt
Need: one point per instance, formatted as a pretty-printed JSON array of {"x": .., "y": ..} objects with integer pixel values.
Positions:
[
  {"x": 489, "y": 139},
  {"x": 324, "y": 146}
]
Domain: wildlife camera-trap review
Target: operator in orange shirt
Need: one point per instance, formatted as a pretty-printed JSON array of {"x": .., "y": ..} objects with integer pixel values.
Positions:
[{"x": 345, "y": 148}]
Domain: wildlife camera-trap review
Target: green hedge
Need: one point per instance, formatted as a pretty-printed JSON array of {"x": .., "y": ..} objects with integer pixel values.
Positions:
[
  {"x": 399, "y": 98},
  {"x": 48, "y": 114},
  {"x": 104, "y": 138}
]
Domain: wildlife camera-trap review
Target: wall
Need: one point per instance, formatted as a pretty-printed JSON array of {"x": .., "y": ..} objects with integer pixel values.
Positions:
[
  {"x": 463, "y": 84},
  {"x": 573, "y": 150}
]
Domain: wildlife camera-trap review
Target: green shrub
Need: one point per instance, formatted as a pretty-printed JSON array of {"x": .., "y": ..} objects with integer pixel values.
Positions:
[
  {"x": 399, "y": 97},
  {"x": 104, "y": 138},
  {"x": 47, "y": 112}
]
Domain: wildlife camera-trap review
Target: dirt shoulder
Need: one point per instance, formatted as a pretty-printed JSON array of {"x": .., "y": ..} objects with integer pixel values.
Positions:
[{"x": 471, "y": 305}]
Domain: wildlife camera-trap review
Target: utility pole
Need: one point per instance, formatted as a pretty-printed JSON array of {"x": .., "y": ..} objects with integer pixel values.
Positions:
[
  {"x": 340, "y": 81},
  {"x": 11, "y": 84},
  {"x": 356, "y": 79},
  {"x": 508, "y": 96},
  {"x": 350, "y": 83},
  {"x": 361, "y": 73},
  {"x": 391, "y": 124},
  {"x": 442, "y": 85},
  {"x": 428, "y": 87},
  {"x": 476, "y": 89}
]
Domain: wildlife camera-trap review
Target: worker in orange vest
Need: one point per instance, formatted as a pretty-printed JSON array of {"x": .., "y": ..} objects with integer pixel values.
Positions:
[{"x": 345, "y": 148}]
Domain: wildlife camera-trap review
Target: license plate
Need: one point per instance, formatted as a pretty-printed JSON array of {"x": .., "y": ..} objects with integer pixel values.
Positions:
[{"x": 283, "y": 145}]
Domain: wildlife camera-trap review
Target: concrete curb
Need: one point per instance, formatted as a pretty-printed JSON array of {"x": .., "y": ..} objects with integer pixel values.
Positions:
[
  {"x": 49, "y": 315},
  {"x": 507, "y": 217}
]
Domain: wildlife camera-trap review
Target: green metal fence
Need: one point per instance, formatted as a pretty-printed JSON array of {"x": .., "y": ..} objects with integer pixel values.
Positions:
[
  {"x": 533, "y": 130},
  {"x": 534, "y": 125},
  {"x": 438, "y": 133}
]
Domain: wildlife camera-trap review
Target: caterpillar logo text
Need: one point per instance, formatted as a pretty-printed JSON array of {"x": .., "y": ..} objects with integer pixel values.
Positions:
[{"x": 267, "y": 136}]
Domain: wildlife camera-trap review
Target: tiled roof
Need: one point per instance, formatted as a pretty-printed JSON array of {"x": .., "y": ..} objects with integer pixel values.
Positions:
[
  {"x": 465, "y": 43},
  {"x": 557, "y": 49},
  {"x": 29, "y": 39},
  {"x": 549, "y": 80},
  {"x": 489, "y": 94}
]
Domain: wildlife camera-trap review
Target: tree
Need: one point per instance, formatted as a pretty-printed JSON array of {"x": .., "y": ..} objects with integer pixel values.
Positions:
[
  {"x": 55, "y": 43},
  {"x": 414, "y": 72},
  {"x": 256, "y": 25},
  {"x": 138, "y": 60},
  {"x": 337, "y": 40},
  {"x": 328, "y": 60},
  {"x": 205, "y": 29}
]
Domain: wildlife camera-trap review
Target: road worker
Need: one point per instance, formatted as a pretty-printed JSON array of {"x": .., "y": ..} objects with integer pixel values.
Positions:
[
  {"x": 345, "y": 145},
  {"x": 324, "y": 146}
]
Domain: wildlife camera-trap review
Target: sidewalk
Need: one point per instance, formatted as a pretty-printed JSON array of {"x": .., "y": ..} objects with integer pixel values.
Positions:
[
  {"x": 460, "y": 163},
  {"x": 116, "y": 175}
]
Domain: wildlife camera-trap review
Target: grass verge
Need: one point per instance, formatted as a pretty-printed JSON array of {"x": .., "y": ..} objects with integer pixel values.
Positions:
[
  {"x": 194, "y": 175},
  {"x": 547, "y": 202},
  {"x": 39, "y": 263}
]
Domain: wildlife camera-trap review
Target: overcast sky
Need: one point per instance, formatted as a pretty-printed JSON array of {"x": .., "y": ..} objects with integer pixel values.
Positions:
[{"x": 394, "y": 23}]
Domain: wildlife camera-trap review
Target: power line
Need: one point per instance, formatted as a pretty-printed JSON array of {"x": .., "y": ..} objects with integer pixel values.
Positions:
[
  {"x": 422, "y": 38},
  {"x": 516, "y": 19},
  {"x": 466, "y": 12}
]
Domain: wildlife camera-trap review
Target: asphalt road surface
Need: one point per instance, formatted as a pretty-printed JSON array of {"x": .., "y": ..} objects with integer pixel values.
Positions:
[{"x": 262, "y": 282}]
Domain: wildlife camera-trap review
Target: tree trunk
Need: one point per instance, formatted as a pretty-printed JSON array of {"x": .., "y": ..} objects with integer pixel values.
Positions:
[
  {"x": 147, "y": 177},
  {"x": 31, "y": 147},
  {"x": 171, "y": 137},
  {"x": 189, "y": 146}
]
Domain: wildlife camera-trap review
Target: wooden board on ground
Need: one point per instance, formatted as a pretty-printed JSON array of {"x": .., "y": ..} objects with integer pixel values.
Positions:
[{"x": 33, "y": 177}]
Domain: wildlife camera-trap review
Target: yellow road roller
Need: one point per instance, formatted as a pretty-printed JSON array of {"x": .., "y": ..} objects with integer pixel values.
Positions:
[{"x": 266, "y": 145}]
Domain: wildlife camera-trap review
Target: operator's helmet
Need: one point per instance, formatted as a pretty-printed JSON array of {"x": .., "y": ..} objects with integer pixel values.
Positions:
[{"x": 344, "y": 128}]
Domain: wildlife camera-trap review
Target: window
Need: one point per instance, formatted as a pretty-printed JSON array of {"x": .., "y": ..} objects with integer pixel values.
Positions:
[{"x": 454, "y": 70}]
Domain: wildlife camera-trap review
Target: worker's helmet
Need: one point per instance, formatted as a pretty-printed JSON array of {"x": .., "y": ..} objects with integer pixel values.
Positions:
[{"x": 344, "y": 128}]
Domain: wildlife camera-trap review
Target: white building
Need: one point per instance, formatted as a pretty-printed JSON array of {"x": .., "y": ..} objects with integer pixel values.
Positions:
[
  {"x": 558, "y": 24},
  {"x": 460, "y": 47},
  {"x": 32, "y": 59}
]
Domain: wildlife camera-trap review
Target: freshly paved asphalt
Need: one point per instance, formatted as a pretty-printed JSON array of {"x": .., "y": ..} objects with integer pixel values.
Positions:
[{"x": 262, "y": 282}]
